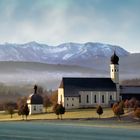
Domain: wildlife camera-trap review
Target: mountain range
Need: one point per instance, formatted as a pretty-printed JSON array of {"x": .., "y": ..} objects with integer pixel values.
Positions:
[
  {"x": 66, "y": 53},
  {"x": 34, "y": 62}
]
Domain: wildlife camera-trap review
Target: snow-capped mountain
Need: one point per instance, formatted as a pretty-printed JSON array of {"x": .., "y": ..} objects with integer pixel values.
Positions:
[{"x": 67, "y": 53}]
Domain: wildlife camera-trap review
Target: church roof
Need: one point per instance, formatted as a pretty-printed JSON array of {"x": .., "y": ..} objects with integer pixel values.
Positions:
[{"x": 73, "y": 85}]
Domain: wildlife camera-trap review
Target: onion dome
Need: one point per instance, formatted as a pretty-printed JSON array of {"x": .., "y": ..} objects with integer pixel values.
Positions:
[
  {"x": 114, "y": 59},
  {"x": 35, "y": 98}
]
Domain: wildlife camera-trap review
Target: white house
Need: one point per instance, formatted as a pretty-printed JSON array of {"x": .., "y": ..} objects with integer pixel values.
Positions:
[
  {"x": 35, "y": 102},
  {"x": 88, "y": 92}
]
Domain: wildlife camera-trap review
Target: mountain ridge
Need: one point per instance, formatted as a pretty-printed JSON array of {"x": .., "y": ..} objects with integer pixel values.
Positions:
[{"x": 65, "y": 53}]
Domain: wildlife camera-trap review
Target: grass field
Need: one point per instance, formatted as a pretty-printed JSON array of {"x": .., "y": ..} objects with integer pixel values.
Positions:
[
  {"x": 71, "y": 114},
  {"x": 80, "y": 117}
]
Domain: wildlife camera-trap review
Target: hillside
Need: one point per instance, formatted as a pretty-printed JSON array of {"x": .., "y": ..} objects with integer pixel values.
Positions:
[
  {"x": 39, "y": 63},
  {"x": 48, "y": 75}
]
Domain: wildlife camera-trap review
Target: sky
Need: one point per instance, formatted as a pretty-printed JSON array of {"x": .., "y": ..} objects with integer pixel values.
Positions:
[{"x": 54, "y": 22}]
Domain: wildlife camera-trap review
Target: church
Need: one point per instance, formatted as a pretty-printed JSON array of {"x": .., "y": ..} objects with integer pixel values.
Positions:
[
  {"x": 35, "y": 102},
  {"x": 81, "y": 92}
]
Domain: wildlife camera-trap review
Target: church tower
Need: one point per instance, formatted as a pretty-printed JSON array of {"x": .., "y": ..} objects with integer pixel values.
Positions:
[
  {"x": 114, "y": 68},
  {"x": 114, "y": 73}
]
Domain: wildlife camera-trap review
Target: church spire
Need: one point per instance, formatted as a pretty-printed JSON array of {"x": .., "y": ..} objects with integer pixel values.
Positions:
[{"x": 35, "y": 89}]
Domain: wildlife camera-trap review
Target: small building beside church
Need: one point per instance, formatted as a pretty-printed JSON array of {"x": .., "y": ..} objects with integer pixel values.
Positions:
[
  {"x": 35, "y": 102},
  {"x": 89, "y": 92},
  {"x": 131, "y": 91}
]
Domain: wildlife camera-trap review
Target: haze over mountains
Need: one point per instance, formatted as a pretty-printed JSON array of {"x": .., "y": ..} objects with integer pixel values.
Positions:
[{"x": 40, "y": 63}]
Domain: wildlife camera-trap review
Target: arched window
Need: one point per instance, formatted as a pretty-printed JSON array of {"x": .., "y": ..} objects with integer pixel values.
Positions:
[
  {"x": 95, "y": 99},
  {"x": 87, "y": 99},
  {"x": 103, "y": 98},
  {"x": 34, "y": 108},
  {"x": 110, "y": 97},
  {"x": 79, "y": 98}
]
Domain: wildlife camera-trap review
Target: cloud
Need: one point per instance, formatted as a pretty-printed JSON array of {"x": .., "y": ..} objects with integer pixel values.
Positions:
[{"x": 54, "y": 22}]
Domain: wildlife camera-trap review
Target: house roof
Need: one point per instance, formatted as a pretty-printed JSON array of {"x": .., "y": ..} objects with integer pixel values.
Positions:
[
  {"x": 73, "y": 85},
  {"x": 129, "y": 89}
]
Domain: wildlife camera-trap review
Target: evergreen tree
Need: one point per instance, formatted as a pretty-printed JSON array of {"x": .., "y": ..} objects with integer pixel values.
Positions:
[
  {"x": 26, "y": 110},
  {"x": 99, "y": 110},
  {"x": 61, "y": 110}
]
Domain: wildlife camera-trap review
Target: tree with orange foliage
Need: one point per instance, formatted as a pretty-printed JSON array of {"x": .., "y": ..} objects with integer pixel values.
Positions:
[
  {"x": 137, "y": 113},
  {"x": 118, "y": 109},
  {"x": 54, "y": 97}
]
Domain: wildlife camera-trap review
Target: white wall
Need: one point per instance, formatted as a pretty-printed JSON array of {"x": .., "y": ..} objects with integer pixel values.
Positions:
[
  {"x": 35, "y": 108},
  {"x": 61, "y": 96},
  {"x": 114, "y": 73},
  {"x": 91, "y": 95},
  {"x": 71, "y": 102}
]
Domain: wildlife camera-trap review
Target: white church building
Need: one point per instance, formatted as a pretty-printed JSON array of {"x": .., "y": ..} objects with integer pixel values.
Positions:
[
  {"x": 35, "y": 102},
  {"x": 81, "y": 92}
]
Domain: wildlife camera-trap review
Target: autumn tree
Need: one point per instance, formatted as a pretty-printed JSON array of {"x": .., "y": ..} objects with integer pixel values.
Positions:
[
  {"x": 54, "y": 97},
  {"x": 46, "y": 101},
  {"x": 21, "y": 103},
  {"x": 99, "y": 110},
  {"x": 118, "y": 109},
  {"x": 126, "y": 103},
  {"x": 132, "y": 102},
  {"x": 137, "y": 104},
  {"x": 137, "y": 113}
]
